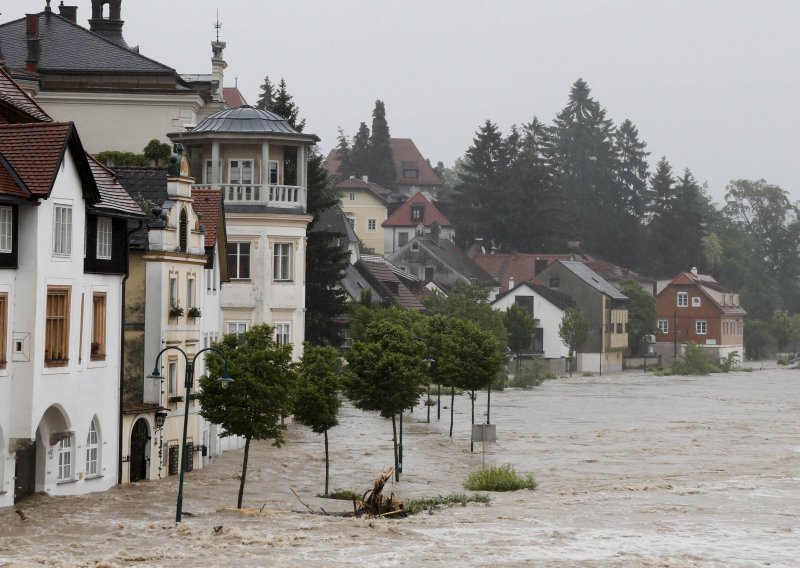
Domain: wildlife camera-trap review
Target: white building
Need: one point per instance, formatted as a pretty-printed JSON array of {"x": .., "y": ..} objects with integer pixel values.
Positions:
[{"x": 63, "y": 257}]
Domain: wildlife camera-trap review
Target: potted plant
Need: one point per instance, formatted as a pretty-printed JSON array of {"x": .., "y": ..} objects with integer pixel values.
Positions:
[
  {"x": 194, "y": 312},
  {"x": 175, "y": 311},
  {"x": 95, "y": 348}
]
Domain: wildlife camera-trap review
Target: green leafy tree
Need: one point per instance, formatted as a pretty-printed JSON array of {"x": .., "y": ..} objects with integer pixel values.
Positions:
[
  {"x": 386, "y": 372},
  {"x": 573, "y": 331},
  {"x": 783, "y": 330},
  {"x": 758, "y": 340},
  {"x": 267, "y": 95},
  {"x": 642, "y": 315},
  {"x": 381, "y": 162},
  {"x": 251, "y": 406},
  {"x": 158, "y": 152},
  {"x": 359, "y": 154},
  {"x": 470, "y": 302},
  {"x": 520, "y": 326},
  {"x": 317, "y": 402}
]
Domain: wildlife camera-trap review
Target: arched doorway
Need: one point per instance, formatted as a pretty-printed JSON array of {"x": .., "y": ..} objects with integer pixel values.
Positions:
[{"x": 140, "y": 446}]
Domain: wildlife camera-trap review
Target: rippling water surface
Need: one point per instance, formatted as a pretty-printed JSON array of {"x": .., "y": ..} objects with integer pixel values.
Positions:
[{"x": 633, "y": 470}]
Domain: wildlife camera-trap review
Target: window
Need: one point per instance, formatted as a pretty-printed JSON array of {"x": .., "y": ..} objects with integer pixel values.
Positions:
[
  {"x": 410, "y": 173},
  {"x": 92, "y": 450},
  {"x": 173, "y": 292},
  {"x": 695, "y": 301},
  {"x": 352, "y": 222},
  {"x": 663, "y": 326},
  {"x": 56, "y": 333},
  {"x": 402, "y": 238},
  {"x": 104, "y": 238},
  {"x": 683, "y": 299},
  {"x": 701, "y": 327},
  {"x": 6, "y": 215},
  {"x": 239, "y": 261},
  {"x": 190, "y": 301},
  {"x": 65, "y": 459},
  {"x": 173, "y": 460},
  {"x": 430, "y": 271},
  {"x": 620, "y": 328},
  {"x": 62, "y": 230},
  {"x": 98, "y": 348},
  {"x": 183, "y": 231},
  {"x": 352, "y": 196},
  {"x": 281, "y": 261},
  {"x": 417, "y": 212},
  {"x": 188, "y": 457},
  {"x": 555, "y": 282},
  {"x": 237, "y": 327},
  {"x": 273, "y": 172},
  {"x": 3, "y": 329},
  {"x": 372, "y": 224},
  {"x": 282, "y": 333},
  {"x": 415, "y": 245},
  {"x": 525, "y": 302},
  {"x": 240, "y": 171},
  {"x": 173, "y": 378}
]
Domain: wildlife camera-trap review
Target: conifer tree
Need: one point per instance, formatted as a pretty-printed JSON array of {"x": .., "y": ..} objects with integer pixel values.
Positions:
[
  {"x": 267, "y": 95},
  {"x": 381, "y": 163},
  {"x": 661, "y": 226},
  {"x": 343, "y": 153},
  {"x": 284, "y": 106},
  {"x": 359, "y": 153}
]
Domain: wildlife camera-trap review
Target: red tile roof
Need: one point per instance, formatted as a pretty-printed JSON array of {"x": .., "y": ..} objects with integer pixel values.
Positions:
[
  {"x": 392, "y": 284},
  {"x": 233, "y": 97},
  {"x": 35, "y": 151},
  {"x": 402, "y": 217},
  {"x": 208, "y": 204},
  {"x": 357, "y": 183},
  {"x": 113, "y": 197},
  {"x": 12, "y": 95},
  {"x": 408, "y": 157}
]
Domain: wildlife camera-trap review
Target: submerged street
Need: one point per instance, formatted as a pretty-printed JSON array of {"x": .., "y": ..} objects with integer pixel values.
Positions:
[{"x": 633, "y": 470}]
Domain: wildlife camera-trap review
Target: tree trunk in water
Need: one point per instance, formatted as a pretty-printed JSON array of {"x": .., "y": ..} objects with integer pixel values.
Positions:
[
  {"x": 394, "y": 442},
  {"x": 244, "y": 471},
  {"x": 471, "y": 438},
  {"x": 452, "y": 403},
  {"x": 327, "y": 463}
]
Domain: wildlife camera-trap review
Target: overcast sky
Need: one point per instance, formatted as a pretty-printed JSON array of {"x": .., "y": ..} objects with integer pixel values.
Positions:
[{"x": 711, "y": 85}]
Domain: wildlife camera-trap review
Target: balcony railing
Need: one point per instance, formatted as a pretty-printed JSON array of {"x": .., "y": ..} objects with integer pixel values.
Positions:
[{"x": 289, "y": 196}]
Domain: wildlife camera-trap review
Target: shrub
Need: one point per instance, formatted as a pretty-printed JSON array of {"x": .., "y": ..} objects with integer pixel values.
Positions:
[
  {"x": 531, "y": 376},
  {"x": 499, "y": 478},
  {"x": 342, "y": 494},
  {"x": 732, "y": 361},
  {"x": 783, "y": 361},
  {"x": 414, "y": 506},
  {"x": 113, "y": 158},
  {"x": 693, "y": 362}
]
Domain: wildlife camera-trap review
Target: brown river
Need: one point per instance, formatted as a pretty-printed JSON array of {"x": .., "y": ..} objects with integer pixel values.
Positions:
[{"x": 633, "y": 470}]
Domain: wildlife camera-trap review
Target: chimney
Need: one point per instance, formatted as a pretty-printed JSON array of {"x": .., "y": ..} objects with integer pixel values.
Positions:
[
  {"x": 68, "y": 12},
  {"x": 109, "y": 27},
  {"x": 511, "y": 283},
  {"x": 365, "y": 179},
  {"x": 32, "y": 36},
  {"x": 694, "y": 270}
]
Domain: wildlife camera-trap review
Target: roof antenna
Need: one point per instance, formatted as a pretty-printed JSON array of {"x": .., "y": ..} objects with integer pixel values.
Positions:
[{"x": 217, "y": 25}]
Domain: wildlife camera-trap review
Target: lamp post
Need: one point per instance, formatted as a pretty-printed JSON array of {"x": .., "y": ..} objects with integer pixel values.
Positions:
[{"x": 188, "y": 383}]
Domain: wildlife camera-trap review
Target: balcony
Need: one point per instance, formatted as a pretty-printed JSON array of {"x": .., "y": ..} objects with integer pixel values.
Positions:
[{"x": 279, "y": 196}]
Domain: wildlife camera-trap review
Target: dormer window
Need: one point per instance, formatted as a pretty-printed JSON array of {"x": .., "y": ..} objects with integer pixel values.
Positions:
[
  {"x": 104, "y": 238},
  {"x": 417, "y": 212}
]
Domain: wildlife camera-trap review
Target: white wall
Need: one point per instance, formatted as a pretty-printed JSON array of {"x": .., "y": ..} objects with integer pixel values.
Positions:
[{"x": 549, "y": 317}]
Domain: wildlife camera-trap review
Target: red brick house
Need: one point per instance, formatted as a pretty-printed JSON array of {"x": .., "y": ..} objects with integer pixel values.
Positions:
[{"x": 695, "y": 307}]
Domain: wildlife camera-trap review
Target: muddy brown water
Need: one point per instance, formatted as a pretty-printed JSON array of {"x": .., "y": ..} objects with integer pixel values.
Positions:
[{"x": 633, "y": 470}]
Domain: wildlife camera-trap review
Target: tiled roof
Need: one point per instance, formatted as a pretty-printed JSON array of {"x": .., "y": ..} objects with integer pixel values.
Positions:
[
  {"x": 402, "y": 217},
  {"x": 357, "y": 183},
  {"x": 593, "y": 279},
  {"x": 452, "y": 256},
  {"x": 113, "y": 197},
  {"x": 725, "y": 299},
  {"x": 12, "y": 95},
  {"x": 389, "y": 284},
  {"x": 9, "y": 182},
  {"x": 233, "y": 97},
  {"x": 407, "y": 156},
  {"x": 208, "y": 204},
  {"x": 35, "y": 151},
  {"x": 65, "y": 46}
]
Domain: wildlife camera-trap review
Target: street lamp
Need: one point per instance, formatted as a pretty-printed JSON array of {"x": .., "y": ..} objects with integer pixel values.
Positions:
[{"x": 225, "y": 379}]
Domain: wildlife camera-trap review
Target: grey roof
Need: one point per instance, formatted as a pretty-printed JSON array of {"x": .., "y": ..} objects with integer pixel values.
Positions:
[
  {"x": 65, "y": 46},
  {"x": 245, "y": 119},
  {"x": 453, "y": 257},
  {"x": 333, "y": 220},
  {"x": 354, "y": 283},
  {"x": 151, "y": 183},
  {"x": 593, "y": 279},
  {"x": 561, "y": 301}
]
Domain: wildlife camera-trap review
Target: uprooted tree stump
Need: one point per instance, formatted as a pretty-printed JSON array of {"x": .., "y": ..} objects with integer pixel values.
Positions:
[{"x": 375, "y": 504}]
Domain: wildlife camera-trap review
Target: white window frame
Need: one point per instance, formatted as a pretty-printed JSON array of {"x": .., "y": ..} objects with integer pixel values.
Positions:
[
  {"x": 237, "y": 327},
  {"x": 62, "y": 230},
  {"x": 701, "y": 327},
  {"x": 282, "y": 262},
  {"x": 92, "y": 451},
  {"x": 239, "y": 179},
  {"x": 238, "y": 255},
  {"x": 283, "y": 333},
  {"x": 663, "y": 326},
  {"x": 696, "y": 301},
  {"x": 6, "y": 229},
  {"x": 374, "y": 223},
  {"x": 104, "y": 238},
  {"x": 276, "y": 171},
  {"x": 65, "y": 459},
  {"x": 683, "y": 299}
]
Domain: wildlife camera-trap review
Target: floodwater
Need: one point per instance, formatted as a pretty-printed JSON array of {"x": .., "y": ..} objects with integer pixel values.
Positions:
[{"x": 633, "y": 470}]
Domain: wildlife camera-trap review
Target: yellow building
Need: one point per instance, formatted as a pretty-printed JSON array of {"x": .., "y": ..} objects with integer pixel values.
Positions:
[{"x": 364, "y": 204}]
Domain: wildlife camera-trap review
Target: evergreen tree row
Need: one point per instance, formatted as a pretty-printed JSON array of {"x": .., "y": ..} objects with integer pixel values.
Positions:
[{"x": 369, "y": 154}]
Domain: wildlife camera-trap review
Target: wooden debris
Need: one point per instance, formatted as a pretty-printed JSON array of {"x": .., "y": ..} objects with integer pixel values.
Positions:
[{"x": 375, "y": 504}]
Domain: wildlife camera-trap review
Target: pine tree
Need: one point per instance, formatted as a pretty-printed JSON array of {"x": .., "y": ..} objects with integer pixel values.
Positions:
[
  {"x": 381, "y": 163},
  {"x": 343, "y": 153},
  {"x": 359, "y": 153},
  {"x": 661, "y": 225},
  {"x": 283, "y": 105},
  {"x": 690, "y": 211},
  {"x": 267, "y": 95}
]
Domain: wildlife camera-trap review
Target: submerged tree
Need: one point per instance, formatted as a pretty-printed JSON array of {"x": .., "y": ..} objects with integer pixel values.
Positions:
[
  {"x": 317, "y": 402},
  {"x": 573, "y": 331},
  {"x": 252, "y": 406},
  {"x": 520, "y": 325}
]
